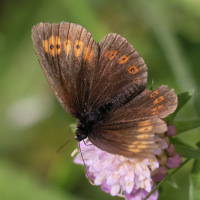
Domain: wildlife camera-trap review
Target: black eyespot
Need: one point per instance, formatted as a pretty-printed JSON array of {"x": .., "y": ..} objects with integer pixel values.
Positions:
[
  {"x": 78, "y": 46},
  {"x": 58, "y": 46},
  {"x": 51, "y": 46}
]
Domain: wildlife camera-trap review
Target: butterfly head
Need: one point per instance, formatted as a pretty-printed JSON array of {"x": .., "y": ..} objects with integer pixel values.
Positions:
[{"x": 81, "y": 132}]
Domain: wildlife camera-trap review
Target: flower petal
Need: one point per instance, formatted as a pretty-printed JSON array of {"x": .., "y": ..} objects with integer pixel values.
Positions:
[{"x": 114, "y": 190}]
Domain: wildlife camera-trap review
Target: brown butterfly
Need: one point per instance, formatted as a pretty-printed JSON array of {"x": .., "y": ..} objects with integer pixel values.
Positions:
[{"x": 103, "y": 86}]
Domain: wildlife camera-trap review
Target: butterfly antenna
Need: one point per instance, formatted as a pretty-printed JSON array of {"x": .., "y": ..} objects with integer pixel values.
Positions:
[
  {"x": 87, "y": 144},
  {"x": 64, "y": 145},
  {"x": 85, "y": 166}
]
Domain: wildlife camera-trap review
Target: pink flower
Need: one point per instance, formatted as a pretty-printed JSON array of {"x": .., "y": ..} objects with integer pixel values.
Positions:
[
  {"x": 171, "y": 130},
  {"x": 174, "y": 162},
  {"x": 117, "y": 174},
  {"x": 140, "y": 194},
  {"x": 161, "y": 174}
]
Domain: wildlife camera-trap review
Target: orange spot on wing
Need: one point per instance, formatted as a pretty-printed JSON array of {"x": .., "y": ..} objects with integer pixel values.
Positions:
[
  {"x": 142, "y": 136},
  {"x": 106, "y": 53},
  {"x": 67, "y": 46},
  {"x": 52, "y": 45},
  {"x": 58, "y": 45},
  {"x": 113, "y": 54},
  {"x": 123, "y": 59},
  {"x": 90, "y": 57},
  {"x": 158, "y": 100},
  {"x": 145, "y": 129},
  {"x": 46, "y": 46},
  {"x": 154, "y": 94},
  {"x": 78, "y": 45},
  {"x": 133, "y": 70},
  {"x": 144, "y": 123},
  {"x": 142, "y": 146},
  {"x": 85, "y": 53},
  {"x": 157, "y": 108},
  {"x": 134, "y": 150},
  {"x": 136, "y": 80},
  {"x": 146, "y": 91},
  {"x": 139, "y": 142},
  {"x": 154, "y": 113}
]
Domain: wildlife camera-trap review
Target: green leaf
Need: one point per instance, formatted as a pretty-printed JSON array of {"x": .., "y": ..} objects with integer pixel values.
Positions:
[
  {"x": 183, "y": 98},
  {"x": 166, "y": 178},
  {"x": 184, "y": 149},
  {"x": 194, "y": 191},
  {"x": 172, "y": 182},
  {"x": 186, "y": 125},
  {"x": 194, "y": 179},
  {"x": 198, "y": 144},
  {"x": 196, "y": 167}
]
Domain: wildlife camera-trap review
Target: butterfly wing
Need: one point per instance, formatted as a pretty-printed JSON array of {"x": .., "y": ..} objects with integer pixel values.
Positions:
[
  {"x": 130, "y": 130},
  {"x": 68, "y": 57},
  {"x": 120, "y": 69}
]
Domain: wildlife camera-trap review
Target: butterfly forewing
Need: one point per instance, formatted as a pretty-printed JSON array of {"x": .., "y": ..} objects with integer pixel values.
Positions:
[
  {"x": 120, "y": 68},
  {"x": 68, "y": 57}
]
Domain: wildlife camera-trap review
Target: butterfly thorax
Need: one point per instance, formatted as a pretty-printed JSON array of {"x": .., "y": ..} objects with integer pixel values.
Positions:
[{"x": 88, "y": 120}]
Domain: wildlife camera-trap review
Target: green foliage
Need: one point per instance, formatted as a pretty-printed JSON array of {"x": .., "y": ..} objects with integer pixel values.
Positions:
[
  {"x": 172, "y": 182},
  {"x": 186, "y": 125},
  {"x": 183, "y": 98},
  {"x": 194, "y": 186},
  {"x": 166, "y": 178},
  {"x": 22, "y": 185},
  {"x": 184, "y": 149}
]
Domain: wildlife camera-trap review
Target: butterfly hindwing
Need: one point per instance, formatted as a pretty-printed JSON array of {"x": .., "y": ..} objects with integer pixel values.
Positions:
[
  {"x": 135, "y": 123},
  {"x": 134, "y": 139},
  {"x": 159, "y": 102}
]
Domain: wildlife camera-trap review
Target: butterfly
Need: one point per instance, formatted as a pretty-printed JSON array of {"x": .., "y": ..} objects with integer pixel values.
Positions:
[{"x": 103, "y": 85}]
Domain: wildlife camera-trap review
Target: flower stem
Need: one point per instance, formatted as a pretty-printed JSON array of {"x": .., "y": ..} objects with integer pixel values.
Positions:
[{"x": 159, "y": 184}]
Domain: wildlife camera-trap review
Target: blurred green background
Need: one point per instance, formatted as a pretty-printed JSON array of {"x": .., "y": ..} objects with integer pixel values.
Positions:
[{"x": 33, "y": 125}]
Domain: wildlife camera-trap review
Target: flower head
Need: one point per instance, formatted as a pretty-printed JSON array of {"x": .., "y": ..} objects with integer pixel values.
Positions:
[{"x": 117, "y": 174}]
